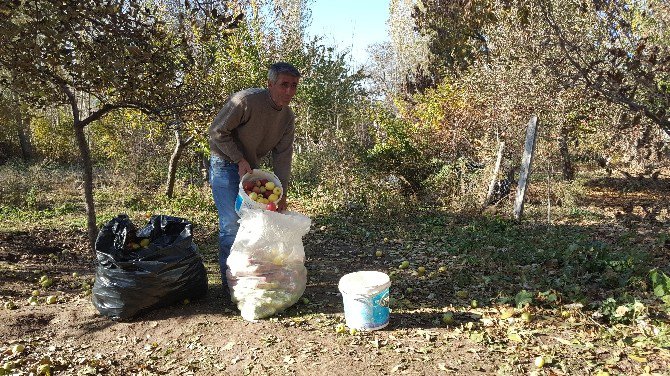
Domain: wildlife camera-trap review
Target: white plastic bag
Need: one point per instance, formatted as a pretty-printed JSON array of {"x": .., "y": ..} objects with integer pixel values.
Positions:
[{"x": 266, "y": 267}]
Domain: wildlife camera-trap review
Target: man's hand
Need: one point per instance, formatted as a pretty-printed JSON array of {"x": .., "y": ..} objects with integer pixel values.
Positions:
[
  {"x": 281, "y": 204},
  {"x": 243, "y": 167}
]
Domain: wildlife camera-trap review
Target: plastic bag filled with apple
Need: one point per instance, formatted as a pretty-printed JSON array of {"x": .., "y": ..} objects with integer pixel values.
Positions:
[{"x": 266, "y": 267}]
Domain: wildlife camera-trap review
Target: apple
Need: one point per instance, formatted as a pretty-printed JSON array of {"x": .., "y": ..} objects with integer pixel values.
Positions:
[
  {"x": 271, "y": 206},
  {"x": 263, "y": 182},
  {"x": 10, "y": 305},
  {"x": 442, "y": 269},
  {"x": 277, "y": 191},
  {"x": 263, "y": 190},
  {"x": 75, "y": 275},
  {"x": 404, "y": 265},
  {"x": 35, "y": 293},
  {"x": 273, "y": 197},
  {"x": 270, "y": 185},
  {"x": 32, "y": 300},
  {"x": 253, "y": 196},
  {"x": 421, "y": 270},
  {"x": 527, "y": 317},
  {"x": 43, "y": 278},
  {"x": 448, "y": 318},
  {"x": 47, "y": 282},
  {"x": 18, "y": 348},
  {"x": 44, "y": 369},
  {"x": 539, "y": 361},
  {"x": 353, "y": 331},
  {"x": 134, "y": 246},
  {"x": 144, "y": 242},
  {"x": 340, "y": 328},
  {"x": 379, "y": 253},
  {"x": 256, "y": 190},
  {"x": 51, "y": 299},
  {"x": 474, "y": 303},
  {"x": 249, "y": 185}
]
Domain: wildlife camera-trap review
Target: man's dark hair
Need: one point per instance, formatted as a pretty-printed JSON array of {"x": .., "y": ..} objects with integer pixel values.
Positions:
[{"x": 281, "y": 68}]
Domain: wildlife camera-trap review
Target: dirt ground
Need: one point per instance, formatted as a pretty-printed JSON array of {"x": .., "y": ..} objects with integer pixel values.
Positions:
[{"x": 208, "y": 336}]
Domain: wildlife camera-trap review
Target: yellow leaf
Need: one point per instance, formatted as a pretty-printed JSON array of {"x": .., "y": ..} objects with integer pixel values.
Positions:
[
  {"x": 514, "y": 337},
  {"x": 507, "y": 313},
  {"x": 638, "y": 359}
]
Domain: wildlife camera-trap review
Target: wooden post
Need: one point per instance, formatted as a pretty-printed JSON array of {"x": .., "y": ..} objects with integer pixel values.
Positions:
[
  {"x": 528, "y": 151},
  {"x": 496, "y": 170}
]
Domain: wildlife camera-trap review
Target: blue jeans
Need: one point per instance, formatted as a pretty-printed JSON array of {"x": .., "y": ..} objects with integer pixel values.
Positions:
[{"x": 225, "y": 180}]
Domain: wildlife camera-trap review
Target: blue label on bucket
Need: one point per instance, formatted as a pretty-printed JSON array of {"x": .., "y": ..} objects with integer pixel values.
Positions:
[
  {"x": 238, "y": 203},
  {"x": 367, "y": 312}
]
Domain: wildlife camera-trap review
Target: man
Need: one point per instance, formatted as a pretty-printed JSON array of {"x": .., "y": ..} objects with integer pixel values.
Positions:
[{"x": 251, "y": 124}]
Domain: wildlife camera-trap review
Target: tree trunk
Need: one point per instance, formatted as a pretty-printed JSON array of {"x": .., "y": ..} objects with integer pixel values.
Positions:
[
  {"x": 24, "y": 140},
  {"x": 87, "y": 175},
  {"x": 496, "y": 171},
  {"x": 567, "y": 167},
  {"x": 204, "y": 167},
  {"x": 526, "y": 161},
  {"x": 174, "y": 162}
]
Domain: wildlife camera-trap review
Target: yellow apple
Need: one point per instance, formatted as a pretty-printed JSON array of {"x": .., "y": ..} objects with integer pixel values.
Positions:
[{"x": 269, "y": 185}]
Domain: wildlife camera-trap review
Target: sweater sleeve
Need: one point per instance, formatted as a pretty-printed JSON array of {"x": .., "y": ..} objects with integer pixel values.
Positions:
[
  {"x": 230, "y": 117},
  {"x": 282, "y": 155}
]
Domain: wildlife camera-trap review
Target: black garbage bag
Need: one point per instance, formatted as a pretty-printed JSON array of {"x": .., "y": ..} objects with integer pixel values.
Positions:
[{"x": 139, "y": 270}]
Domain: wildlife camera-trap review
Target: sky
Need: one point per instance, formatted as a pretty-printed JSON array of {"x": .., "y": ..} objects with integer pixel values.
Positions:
[{"x": 353, "y": 24}]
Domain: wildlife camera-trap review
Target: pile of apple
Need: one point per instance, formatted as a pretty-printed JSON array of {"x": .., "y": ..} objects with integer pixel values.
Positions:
[{"x": 264, "y": 192}]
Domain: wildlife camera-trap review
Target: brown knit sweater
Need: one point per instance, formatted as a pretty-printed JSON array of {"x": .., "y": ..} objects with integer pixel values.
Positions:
[{"x": 250, "y": 125}]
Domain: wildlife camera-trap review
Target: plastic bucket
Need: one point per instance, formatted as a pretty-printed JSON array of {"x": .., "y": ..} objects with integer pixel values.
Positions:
[
  {"x": 243, "y": 201},
  {"x": 365, "y": 295}
]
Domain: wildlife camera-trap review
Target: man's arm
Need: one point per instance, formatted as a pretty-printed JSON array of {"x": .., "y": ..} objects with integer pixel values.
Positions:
[{"x": 220, "y": 132}]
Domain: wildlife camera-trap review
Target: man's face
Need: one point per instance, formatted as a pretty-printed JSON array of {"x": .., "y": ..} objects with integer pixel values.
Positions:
[{"x": 283, "y": 90}]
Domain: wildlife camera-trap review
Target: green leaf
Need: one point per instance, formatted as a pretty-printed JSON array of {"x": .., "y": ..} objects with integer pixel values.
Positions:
[
  {"x": 523, "y": 298},
  {"x": 660, "y": 283}
]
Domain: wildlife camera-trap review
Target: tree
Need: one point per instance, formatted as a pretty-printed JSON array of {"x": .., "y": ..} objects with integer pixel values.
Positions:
[
  {"x": 120, "y": 54},
  {"x": 625, "y": 56},
  {"x": 456, "y": 32}
]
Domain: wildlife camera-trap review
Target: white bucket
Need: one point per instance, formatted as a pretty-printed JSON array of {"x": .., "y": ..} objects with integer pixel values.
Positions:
[
  {"x": 243, "y": 201},
  {"x": 365, "y": 295}
]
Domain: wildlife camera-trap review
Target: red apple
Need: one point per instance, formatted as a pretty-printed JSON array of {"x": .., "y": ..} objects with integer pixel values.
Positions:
[
  {"x": 256, "y": 189},
  {"x": 267, "y": 194},
  {"x": 248, "y": 186},
  {"x": 263, "y": 182},
  {"x": 271, "y": 206}
]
